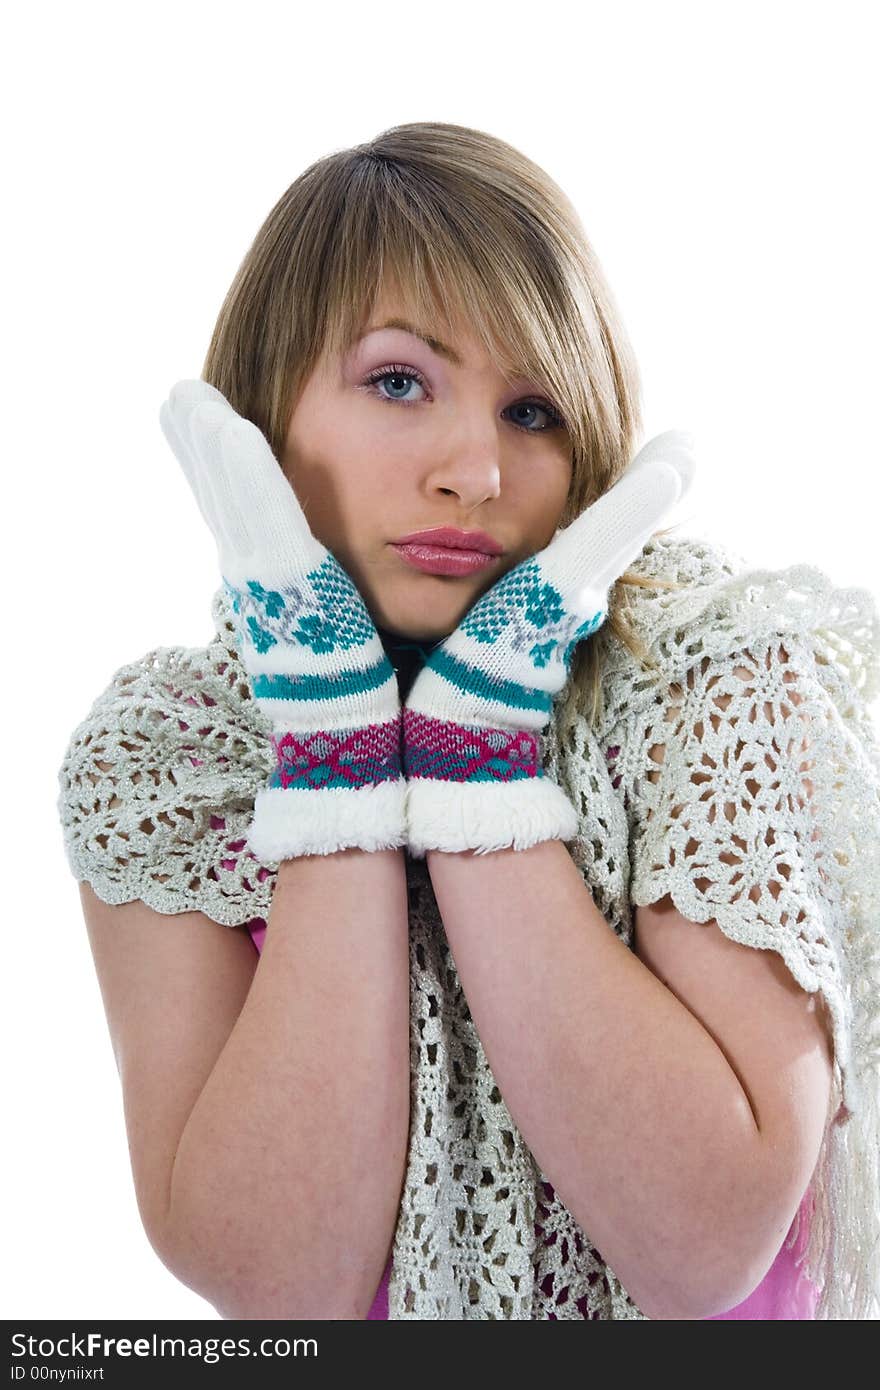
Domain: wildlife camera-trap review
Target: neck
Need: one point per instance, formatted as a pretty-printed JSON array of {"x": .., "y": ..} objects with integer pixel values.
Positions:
[{"x": 406, "y": 656}]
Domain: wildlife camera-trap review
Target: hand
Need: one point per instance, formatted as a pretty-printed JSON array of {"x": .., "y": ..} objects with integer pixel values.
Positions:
[
  {"x": 317, "y": 667},
  {"x": 473, "y": 719}
]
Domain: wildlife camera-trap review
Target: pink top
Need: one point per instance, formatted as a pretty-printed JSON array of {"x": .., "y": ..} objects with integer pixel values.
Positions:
[{"x": 780, "y": 1294}]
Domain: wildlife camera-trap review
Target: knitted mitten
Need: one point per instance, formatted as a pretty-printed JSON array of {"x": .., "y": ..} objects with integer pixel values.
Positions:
[
  {"x": 317, "y": 668},
  {"x": 473, "y": 719}
]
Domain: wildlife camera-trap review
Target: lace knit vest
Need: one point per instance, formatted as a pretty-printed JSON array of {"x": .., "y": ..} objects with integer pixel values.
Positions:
[{"x": 157, "y": 788}]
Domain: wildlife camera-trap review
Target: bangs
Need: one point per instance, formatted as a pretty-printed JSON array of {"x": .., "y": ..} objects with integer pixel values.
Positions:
[{"x": 450, "y": 275}]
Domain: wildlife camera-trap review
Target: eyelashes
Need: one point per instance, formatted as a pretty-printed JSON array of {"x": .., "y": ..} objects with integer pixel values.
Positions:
[{"x": 398, "y": 369}]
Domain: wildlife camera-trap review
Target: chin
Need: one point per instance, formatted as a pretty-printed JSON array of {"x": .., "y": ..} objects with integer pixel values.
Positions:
[{"x": 407, "y": 619}]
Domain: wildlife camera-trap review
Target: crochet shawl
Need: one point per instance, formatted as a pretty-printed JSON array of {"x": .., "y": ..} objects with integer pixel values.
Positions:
[{"x": 157, "y": 787}]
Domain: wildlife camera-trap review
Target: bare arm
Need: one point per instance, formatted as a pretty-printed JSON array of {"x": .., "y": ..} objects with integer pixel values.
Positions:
[
  {"x": 280, "y": 1196},
  {"x": 631, "y": 1098}
]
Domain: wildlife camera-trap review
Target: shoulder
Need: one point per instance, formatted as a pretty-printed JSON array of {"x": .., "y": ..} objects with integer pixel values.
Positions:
[
  {"x": 153, "y": 695},
  {"x": 694, "y": 561},
  {"x": 162, "y": 773},
  {"x": 725, "y": 607}
]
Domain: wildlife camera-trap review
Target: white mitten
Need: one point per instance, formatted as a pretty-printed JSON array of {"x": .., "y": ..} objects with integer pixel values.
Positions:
[{"x": 317, "y": 666}]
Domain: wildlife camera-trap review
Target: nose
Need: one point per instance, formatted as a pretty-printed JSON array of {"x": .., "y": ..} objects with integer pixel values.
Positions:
[{"x": 473, "y": 477}]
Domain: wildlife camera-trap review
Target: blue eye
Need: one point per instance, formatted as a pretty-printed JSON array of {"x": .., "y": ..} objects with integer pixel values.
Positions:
[
  {"x": 401, "y": 374},
  {"x": 410, "y": 374}
]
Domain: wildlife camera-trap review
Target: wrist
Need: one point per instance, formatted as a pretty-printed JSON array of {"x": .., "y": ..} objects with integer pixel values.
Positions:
[
  {"x": 447, "y": 750},
  {"x": 331, "y": 790},
  {"x": 478, "y": 788},
  {"x": 353, "y": 758},
  {"x": 288, "y": 824},
  {"x": 485, "y": 816}
]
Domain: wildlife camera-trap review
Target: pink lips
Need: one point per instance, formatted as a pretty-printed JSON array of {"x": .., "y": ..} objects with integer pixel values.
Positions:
[
  {"x": 438, "y": 559},
  {"x": 445, "y": 550}
]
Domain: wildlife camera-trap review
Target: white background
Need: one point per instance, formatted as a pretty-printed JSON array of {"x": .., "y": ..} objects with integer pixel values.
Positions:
[{"x": 723, "y": 159}]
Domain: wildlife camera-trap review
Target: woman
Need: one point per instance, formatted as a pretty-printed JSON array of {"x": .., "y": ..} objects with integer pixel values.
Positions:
[{"x": 509, "y": 1049}]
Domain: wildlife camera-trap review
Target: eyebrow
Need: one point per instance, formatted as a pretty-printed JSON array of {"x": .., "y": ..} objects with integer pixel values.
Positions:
[{"x": 433, "y": 343}]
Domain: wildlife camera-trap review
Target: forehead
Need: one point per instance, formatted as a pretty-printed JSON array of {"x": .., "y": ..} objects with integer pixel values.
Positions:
[
  {"x": 444, "y": 331},
  {"x": 379, "y": 323}
]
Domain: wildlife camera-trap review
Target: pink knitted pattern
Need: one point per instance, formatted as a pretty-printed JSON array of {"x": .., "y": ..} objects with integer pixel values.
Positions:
[
  {"x": 445, "y": 751},
  {"x": 328, "y": 758}
]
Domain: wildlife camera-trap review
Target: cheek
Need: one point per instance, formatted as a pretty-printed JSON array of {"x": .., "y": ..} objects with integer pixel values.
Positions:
[
  {"x": 372, "y": 479},
  {"x": 363, "y": 503},
  {"x": 545, "y": 504}
]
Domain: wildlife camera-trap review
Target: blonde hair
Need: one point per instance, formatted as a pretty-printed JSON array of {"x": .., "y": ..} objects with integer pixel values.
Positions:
[{"x": 468, "y": 230}]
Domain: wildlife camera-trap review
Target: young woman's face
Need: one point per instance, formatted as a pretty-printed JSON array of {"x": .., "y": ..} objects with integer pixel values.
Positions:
[{"x": 432, "y": 444}]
